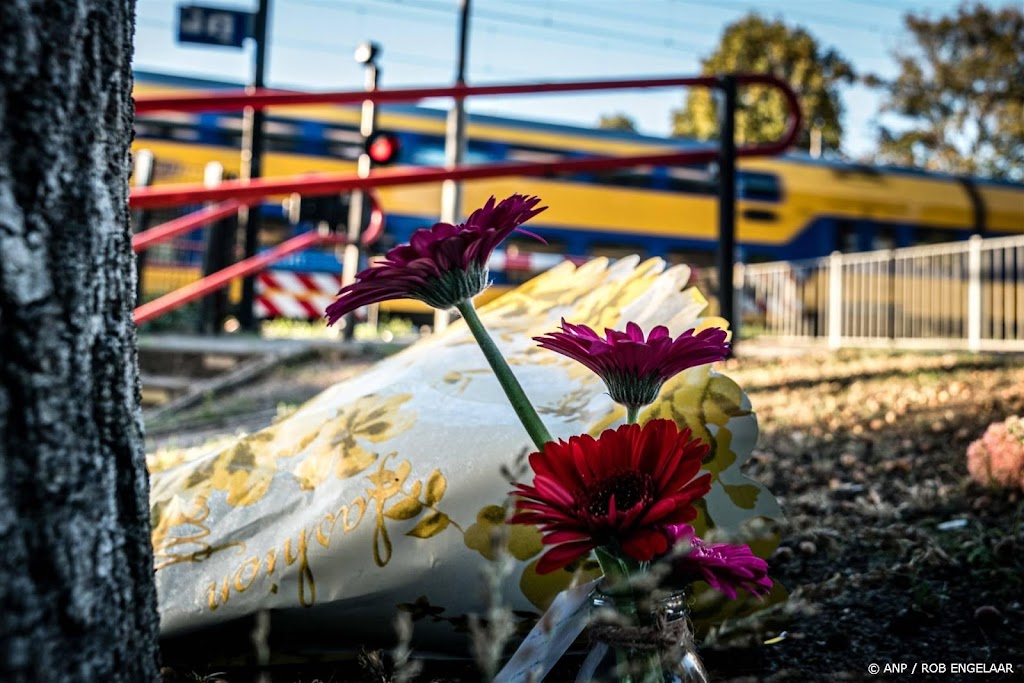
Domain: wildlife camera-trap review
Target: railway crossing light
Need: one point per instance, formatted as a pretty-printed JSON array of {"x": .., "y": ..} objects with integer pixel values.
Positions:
[{"x": 382, "y": 147}]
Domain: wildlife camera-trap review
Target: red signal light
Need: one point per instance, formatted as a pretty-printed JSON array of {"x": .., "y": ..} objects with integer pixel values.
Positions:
[{"x": 382, "y": 148}]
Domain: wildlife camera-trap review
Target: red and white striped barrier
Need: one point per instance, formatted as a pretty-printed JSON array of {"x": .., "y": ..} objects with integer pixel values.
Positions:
[
  {"x": 305, "y": 296},
  {"x": 299, "y": 296}
]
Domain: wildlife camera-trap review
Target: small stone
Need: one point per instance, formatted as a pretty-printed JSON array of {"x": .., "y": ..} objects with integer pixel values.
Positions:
[
  {"x": 988, "y": 616},
  {"x": 808, "y": 547}
]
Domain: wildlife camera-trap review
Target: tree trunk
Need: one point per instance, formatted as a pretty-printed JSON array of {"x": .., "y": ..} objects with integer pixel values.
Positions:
[{"x": 77, "y": 599}]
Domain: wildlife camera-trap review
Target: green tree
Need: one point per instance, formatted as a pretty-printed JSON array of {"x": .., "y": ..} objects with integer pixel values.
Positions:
[
  {"x": 959, "y": 94},
  {"x": 618, "y": 121},
  {"x": 754, "y": 44}
]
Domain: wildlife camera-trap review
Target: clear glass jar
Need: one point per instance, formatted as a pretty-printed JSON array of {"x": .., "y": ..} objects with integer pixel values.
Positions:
[{"x": 641, "y": 640}]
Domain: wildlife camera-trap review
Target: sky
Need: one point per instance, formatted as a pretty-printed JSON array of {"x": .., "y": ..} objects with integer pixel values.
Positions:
[{"x": 312, "y": 43}]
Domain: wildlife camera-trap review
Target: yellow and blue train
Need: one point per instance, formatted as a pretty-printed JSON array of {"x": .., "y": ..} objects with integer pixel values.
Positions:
[{"x": 789, "y": 207}]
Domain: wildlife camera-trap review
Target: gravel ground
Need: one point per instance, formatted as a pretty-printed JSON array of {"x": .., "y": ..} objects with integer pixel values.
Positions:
[{"x": 891, "y": 554}]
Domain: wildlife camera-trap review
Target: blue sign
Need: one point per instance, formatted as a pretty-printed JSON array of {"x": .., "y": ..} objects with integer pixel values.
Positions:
[{"x": 213, "y": 25}]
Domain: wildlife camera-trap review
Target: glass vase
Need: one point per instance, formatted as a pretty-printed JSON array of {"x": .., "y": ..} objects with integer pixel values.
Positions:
[{"x": 645, "y": 640}]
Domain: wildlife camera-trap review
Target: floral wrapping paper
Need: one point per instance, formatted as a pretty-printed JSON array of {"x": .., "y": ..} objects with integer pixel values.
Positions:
[{"x": 381, "y": 494}]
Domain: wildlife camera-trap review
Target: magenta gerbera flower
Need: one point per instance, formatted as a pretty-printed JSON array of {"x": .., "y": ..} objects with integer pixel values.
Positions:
[
  {"x": 621, "y": 491},
  {"x": 441, "y": 266},
  {"x": 633, "y": 368},
  {"x": 727, "y": 568}
]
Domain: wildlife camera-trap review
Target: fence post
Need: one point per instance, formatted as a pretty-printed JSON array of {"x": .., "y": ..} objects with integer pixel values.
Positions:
[
  {"x": 142, "y": 173},
  {"x": 974, "y": 293},
  {"x": 835, "y": 300},
  {"x": 739, "y": 288},
  {"x": 213, "y": 306}
]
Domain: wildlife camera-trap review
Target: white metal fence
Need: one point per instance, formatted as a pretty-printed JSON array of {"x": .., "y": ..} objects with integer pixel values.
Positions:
[{"x": 961, "y": 295}]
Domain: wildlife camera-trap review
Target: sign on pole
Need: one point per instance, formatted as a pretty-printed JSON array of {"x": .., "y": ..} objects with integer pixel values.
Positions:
[{"x": 213, "y": 25}]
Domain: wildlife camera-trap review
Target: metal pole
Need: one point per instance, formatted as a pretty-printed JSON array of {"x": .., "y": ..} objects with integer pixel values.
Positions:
[
  {"x": 213, "y": 307},
  {"x": 727, "y": 206},
  {"x": 143, "y": 176},
  {"x": 357, "y": 199},
  {"x": 455, "y": 143},
  {"x": 252, "y": 163}
]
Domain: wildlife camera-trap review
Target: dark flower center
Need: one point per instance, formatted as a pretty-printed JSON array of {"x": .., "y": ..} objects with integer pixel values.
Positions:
[{"x": 629, "y": 489}]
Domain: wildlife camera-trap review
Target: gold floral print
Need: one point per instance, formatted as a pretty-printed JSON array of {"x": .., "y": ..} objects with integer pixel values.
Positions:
[
  {"x": 179, "y": 532},
  {"x": 522, "y": 542},
  {"x": 244, "y": 472},
  {"x": 420, "y": 498},
  {"x": 338, "y": 446}
]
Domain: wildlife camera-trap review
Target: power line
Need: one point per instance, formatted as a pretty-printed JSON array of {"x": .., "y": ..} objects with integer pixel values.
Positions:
[{"x": 638, "y": 42}]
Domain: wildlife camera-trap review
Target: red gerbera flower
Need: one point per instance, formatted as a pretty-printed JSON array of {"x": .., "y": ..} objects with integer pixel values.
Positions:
[
  {"x": 727, "y": 568},
  {"x": 622, "y": 491},
  {"x": 634, "y": 369},
  {"x": 441, "y": 266}
]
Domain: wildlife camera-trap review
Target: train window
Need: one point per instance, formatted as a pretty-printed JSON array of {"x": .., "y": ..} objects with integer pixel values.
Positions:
[
  {"x": 690, "y": 257},
  {"x": 849, "y": 241},
  {"x": 760, "y": 187},
  {"x": 344, "y": 150},
  {"x": 431, "y": 153},
  {"x": 691, "y": 181},
  {"x": 183, "y": 133},
  {"x": 280, "y": 143},
  {"x": 883, "y": 239},
  {"x": 932, "y": 236},
  {"x": 616, "y": 251},
  {"x": 628, "y": 178},
  {"x": 535, "y": 155},
  {"x": 528, "y": 245},
  {"x": 521, "y": 265}
]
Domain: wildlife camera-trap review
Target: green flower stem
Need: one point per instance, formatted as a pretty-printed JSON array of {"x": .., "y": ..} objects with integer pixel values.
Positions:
[
  {"x": 632, "y": 414},
  {"x": 516, "y": 396},
  {"x": 617, "y": 572}
]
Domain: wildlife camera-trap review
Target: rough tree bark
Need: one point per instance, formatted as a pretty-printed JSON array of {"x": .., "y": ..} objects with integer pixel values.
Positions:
[{"x": 77, "y": 599}]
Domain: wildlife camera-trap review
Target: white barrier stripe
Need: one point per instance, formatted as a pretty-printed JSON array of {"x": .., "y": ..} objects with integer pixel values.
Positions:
[
  {"x": 287, "y": 306},
  {"x": 287, "y": 281},
  {"x": 326, "y": 282}
]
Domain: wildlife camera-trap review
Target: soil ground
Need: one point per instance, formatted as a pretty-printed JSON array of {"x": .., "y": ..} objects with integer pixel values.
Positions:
[{"x": 891, "y": 554}]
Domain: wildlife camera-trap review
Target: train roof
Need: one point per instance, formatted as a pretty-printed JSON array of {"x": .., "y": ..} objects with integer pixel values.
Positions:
[{"x": 185, "y": 81}]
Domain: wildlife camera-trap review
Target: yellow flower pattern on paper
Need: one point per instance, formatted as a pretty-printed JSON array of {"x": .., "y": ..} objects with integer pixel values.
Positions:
[
  {"x": 244, "y": 472},
  {"x": 338, "y": 447}
]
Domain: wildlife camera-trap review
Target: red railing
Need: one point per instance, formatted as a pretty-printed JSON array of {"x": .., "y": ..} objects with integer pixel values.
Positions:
[
  {"x": 251, "y": 191},
  {"x": 220, "y": 279},
  {"x": 187, "y": 223}
]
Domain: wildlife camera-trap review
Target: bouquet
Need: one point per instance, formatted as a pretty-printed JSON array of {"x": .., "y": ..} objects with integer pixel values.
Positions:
[{"x": 627, "y": 495}]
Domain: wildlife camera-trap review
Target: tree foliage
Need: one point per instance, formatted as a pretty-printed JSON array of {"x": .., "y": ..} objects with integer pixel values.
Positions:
[
  {"x": 618, "y": 121},
  {"x": 754, "y": 44},
  {"x": 960, "y": 94}
]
